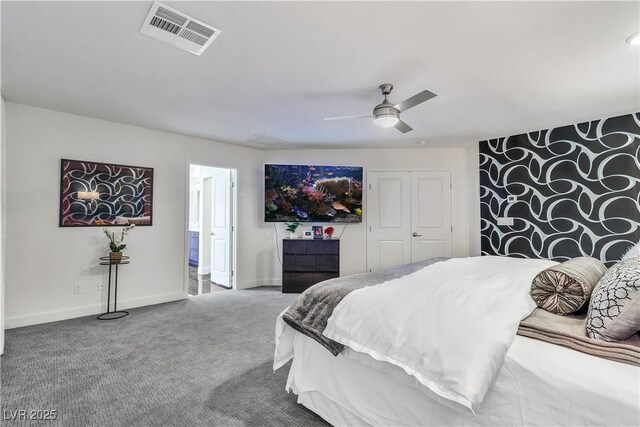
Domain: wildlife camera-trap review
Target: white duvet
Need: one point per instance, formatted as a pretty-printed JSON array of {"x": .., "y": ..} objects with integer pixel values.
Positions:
[{"x": 449, "y": 325}]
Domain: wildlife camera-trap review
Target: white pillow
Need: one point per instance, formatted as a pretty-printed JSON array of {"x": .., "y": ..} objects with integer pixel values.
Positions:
[{"x": 633, "y": 252}]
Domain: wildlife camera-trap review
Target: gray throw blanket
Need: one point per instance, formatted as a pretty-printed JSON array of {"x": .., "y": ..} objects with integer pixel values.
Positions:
[
  {"x": 570, "y": 331},
  {"x": 310, "y": 312}
]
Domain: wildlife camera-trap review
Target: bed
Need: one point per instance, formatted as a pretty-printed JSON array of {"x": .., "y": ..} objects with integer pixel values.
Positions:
[{"x": 535, "y": 383}]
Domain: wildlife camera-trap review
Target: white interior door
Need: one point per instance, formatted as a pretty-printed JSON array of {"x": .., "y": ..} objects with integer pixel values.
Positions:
[
  {"x": 221, "y": 227},
  {"x": 409, "y": 217},
  {"x": 430, "y": 215},
  {"x": 388, "y": 219}
]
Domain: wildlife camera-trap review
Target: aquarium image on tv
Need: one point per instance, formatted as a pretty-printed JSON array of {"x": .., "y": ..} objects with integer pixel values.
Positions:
[{"x": 310, "y": 193}]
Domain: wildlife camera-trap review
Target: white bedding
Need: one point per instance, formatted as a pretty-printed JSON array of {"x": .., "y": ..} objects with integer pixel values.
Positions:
[
  {"x": 538, "y": 384},
  {"x": 448, "y": 325}
]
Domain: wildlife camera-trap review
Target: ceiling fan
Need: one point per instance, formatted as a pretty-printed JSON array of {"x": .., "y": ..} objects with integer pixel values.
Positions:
[{"x": 387, "y": 115}]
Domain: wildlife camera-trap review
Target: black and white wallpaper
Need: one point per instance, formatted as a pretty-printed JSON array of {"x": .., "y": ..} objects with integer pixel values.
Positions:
[{"x": 577, "y": 191}]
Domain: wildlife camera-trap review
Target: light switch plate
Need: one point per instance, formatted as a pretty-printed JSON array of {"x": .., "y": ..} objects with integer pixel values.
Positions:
[{"x": 505, "y": 220}]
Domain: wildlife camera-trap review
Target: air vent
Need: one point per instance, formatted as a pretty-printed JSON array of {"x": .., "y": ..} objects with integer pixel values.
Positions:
[
  {"x": 267, "y": 140},
  {"x": 177, "y": 29}
]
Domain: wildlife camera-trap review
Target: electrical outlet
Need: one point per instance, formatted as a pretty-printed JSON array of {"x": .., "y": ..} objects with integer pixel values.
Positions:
[
  {"x": 512, "y": 198},
  {"x": 505, "y": 220},
  {"x": 100, "y": 286},
  {"x": 77, "y": 288}
]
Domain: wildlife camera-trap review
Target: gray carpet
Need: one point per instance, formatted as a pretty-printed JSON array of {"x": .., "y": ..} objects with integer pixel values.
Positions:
[{"x": 204, "y": 361}]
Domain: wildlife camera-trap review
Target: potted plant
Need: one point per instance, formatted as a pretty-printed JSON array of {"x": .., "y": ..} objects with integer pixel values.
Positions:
[
  {"x": 292, "y": 227},
  {"x": 329, "y": 232},
  {"x": 116, "y": 246}
]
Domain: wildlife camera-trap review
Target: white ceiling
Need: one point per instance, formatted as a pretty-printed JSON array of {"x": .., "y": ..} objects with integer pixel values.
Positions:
[{"x": 278, "y": 68}]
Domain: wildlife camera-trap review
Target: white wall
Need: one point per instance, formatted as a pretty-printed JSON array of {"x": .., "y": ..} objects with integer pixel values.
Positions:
[
  {"x": 473, "y": 153},
  {"x": 45, "y": 261},
  {"x": 353, "y": 243},
  {"x": 2, "y": 210},
  {"x": 3, "y": 184}
]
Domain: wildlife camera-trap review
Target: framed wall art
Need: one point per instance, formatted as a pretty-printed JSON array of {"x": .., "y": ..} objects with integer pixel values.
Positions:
[{"x": 102, "y": 194}]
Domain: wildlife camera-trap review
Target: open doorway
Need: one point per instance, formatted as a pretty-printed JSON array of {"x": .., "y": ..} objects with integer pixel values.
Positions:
[{"x": 211, "y": 229}]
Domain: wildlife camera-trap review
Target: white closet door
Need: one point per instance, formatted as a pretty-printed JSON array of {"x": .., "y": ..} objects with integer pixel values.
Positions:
[
  {"x": 430, "y": 215},
  {"x": 388, "y": 219},
  {"x": 408, "y": 217}
]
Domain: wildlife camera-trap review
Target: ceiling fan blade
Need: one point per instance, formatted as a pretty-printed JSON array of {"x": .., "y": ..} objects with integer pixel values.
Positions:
[
  {"x": 348, "y": 117},
  {"x": 419, "y": 98},
  {"x": 403, "y": 127}
]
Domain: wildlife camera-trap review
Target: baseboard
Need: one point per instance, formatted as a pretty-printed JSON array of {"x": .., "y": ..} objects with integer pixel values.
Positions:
[
  {"x": 204, "y": 270},
  {"x": 88, "y": 310},
  {"x": 258, "y": 283}
]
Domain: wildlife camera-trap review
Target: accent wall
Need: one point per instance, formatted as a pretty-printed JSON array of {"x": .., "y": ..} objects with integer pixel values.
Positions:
[{"x": 576, "y": 191}]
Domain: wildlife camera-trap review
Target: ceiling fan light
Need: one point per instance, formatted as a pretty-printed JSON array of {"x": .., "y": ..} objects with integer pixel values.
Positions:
[{"x": 386, "y": 121}]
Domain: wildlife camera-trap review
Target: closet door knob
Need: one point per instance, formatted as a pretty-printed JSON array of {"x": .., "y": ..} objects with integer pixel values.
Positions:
[{"x": 414, "y": 234}]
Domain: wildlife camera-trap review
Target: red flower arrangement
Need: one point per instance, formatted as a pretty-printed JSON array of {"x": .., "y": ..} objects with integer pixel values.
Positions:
[{"x": 328, "y": 231}]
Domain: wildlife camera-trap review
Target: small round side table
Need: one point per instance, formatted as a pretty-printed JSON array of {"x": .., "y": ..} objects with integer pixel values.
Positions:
[{"x": 115, "y": 314}]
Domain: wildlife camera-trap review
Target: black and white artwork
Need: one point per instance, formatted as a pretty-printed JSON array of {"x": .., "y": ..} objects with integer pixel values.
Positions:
[
  {"x": 102, "y": 194},
  {"x": 576, "y": 190}
]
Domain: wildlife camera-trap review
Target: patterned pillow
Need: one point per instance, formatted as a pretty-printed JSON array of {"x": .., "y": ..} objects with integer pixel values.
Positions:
[
  {"x": 614, "y": 310},
  {"x": 632, "y": 252},
  {"x": 565, "y": 288}
]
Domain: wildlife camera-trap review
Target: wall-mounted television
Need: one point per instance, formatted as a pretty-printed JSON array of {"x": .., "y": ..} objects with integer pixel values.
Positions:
[{"x": 311, "y": 193}]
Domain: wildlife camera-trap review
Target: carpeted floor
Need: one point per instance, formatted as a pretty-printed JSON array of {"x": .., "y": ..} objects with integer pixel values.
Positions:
[{"x": 203, "y": 361}]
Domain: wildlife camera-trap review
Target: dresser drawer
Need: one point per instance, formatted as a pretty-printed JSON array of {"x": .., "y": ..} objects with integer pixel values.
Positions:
[
  {"x": 294, "y": 247},
  {"x": 300, "y": 282},
  {"x": 299, "y": 263},
  {"x": 324, "y": 247},
  {"x": 328, "y": 263}
]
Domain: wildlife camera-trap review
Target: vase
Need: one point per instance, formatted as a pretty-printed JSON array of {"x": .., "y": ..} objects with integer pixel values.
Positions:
[
  {"x": 115, "y": 257},
  {"x": 293, "y": 235}
]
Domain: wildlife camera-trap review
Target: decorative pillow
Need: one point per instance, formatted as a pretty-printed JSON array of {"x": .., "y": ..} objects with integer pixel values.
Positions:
[
  {"x": 614, "y": 310},
  {"x": 565, "y": 288},
  {"x": 632, "y": 252}
]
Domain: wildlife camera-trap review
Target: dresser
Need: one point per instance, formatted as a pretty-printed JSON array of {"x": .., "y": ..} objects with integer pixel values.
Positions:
[{"x": 307, "y": 262}]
